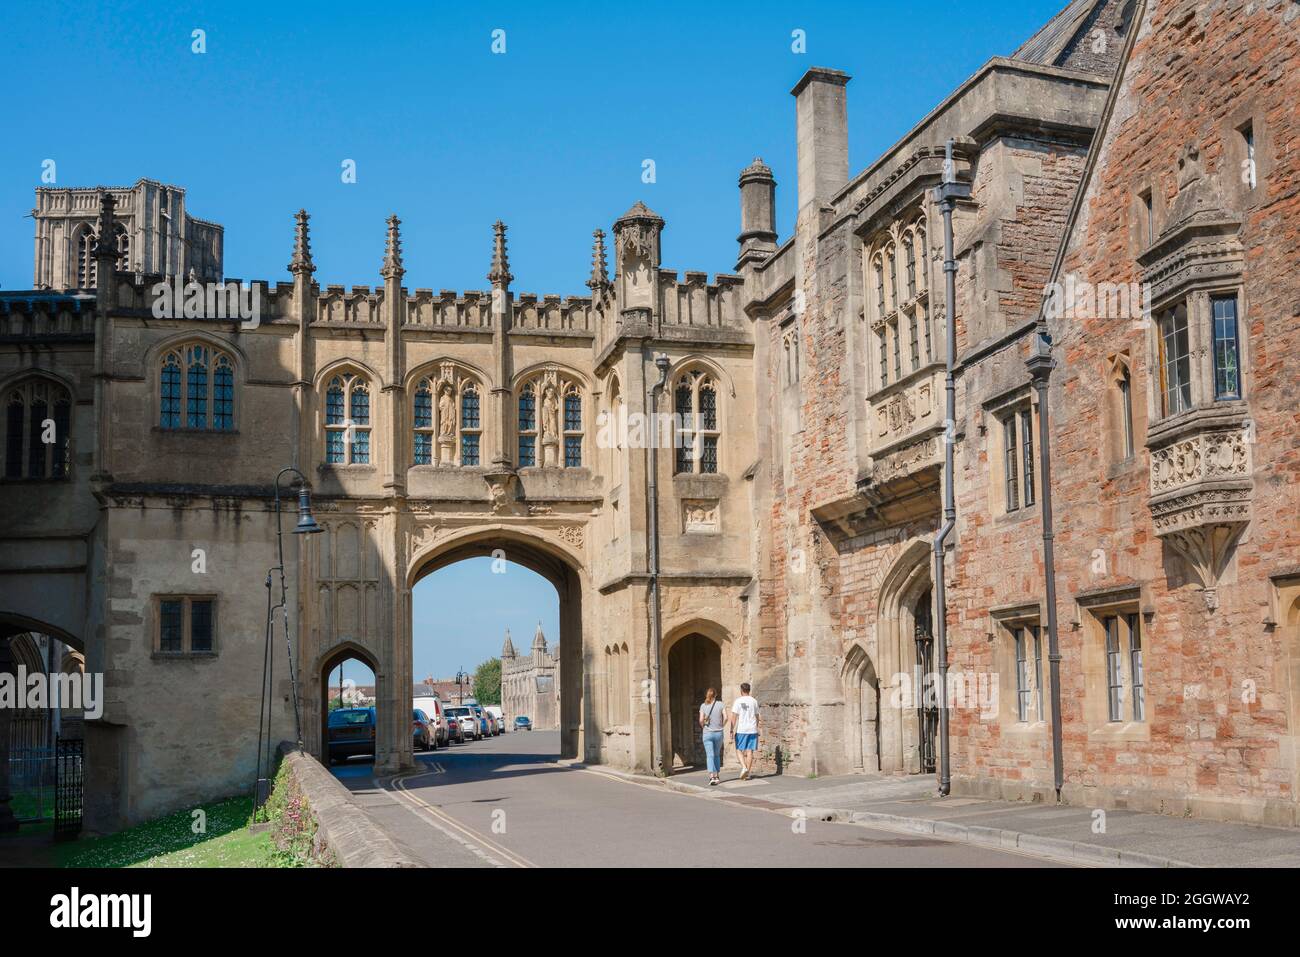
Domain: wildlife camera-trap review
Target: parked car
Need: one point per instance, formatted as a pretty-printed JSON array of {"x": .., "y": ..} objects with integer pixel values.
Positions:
[
  {"x": 424, "y": 736},
  {"x": 470, "y": 728},
  {"x": 493, "y": 728},
  {"x": 433, "y": 708},
  {"x": 523, "y": 723},
  {"x": 351, "y": 731},
  {"x": 454, "y": 732},
  {"x": 485, "y": 729},
  {"x": 496, "y": 712}
]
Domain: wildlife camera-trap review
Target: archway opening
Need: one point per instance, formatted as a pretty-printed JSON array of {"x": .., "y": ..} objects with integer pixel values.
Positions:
[
  {"x": 45, "y": 672},
  {"x": 465, "y": 595},
  {"x": 487, "y": 653},
  {"x": 694, "y": 666},
  {"x": 349, "y": 714}
]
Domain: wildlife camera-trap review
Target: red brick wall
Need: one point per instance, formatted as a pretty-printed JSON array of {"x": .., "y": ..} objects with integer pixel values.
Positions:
[{"x": 1211, "y": 743}]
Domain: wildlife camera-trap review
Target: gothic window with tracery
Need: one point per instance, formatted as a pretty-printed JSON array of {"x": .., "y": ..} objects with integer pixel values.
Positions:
[
  {"x": 550, "y": 420},
  {"x": 38, "y": 417},
  {"x": 86, "y": 258},
  {"x": 122, "y": 240},
  {"x": 196, "y": 389},
  {"x": 347, "y": 420},
  {"x": 695, "y": 403},
  {"x": 446, "y": 419}
]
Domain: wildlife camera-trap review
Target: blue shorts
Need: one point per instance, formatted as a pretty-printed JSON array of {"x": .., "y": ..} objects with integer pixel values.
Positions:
[{"x": 747, "y": 742}]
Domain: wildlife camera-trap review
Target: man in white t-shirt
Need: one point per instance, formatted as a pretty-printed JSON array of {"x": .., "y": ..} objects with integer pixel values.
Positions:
[{"x": 745, "y": 726}]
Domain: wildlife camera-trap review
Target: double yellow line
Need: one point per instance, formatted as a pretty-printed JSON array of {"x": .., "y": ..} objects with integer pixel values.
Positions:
[{"x": 443, "y": 818}]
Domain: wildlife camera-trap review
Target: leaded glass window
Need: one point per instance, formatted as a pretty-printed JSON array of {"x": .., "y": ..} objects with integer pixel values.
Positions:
[
  {"x": 196, "y": 389},
  {"x": 695, "y": 404},
  {"x": 37, "y": 424}
]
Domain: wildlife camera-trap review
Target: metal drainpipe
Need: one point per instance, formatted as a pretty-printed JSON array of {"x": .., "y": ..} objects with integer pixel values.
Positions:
[
  {"x": 1040, "y": 367},
  {"x": 656, "y": 625},
  {"x": 946, "y": 195}
]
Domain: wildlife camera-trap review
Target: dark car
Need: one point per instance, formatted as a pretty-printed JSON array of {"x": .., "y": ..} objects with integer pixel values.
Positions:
[
  {"x": 454, "y": 732},
  {"x": 523, "y": 724},
  {"x": 424, "y": 735},
  {"x": 351, "y": 731}
]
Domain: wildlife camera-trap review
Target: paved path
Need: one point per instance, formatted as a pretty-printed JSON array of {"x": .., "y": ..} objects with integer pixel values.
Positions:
[
  {"x": 1072, "y": 832},
  {"x": 506, "y": 802}
]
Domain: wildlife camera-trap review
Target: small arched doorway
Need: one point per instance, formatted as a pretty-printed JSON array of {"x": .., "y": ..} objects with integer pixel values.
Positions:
[
  {"x": 927, "y": 701},
  {"x": 862, "y": 697},
  {"x": 694, "y": 666},
  {"x": 346, "y": 692},
  {"x": 905, "y": 653}
]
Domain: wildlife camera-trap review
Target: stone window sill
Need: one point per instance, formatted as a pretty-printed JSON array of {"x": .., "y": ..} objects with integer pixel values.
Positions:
[
  {"x": 1019, "y": 515},
  {"x": 1118, "y": 732},
  {"x": 215, "y": 433},
  {"x": 1025, "y": 730}
]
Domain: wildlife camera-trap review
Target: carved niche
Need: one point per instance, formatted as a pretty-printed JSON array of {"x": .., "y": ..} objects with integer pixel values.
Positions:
[{"x": 700, "y": 515}]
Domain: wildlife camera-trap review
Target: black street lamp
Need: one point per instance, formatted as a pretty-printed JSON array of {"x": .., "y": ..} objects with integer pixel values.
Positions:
[{"x": 306, "y": 526}]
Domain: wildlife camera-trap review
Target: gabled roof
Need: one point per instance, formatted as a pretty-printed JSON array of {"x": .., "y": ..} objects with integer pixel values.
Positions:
[
  {"x": 1095, "y": 150},
  {"x": 1054, "y": 41}
]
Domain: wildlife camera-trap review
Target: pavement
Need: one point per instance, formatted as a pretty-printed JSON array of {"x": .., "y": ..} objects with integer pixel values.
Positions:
[
  {"x": 909, "y": 804},
  {"x": 508, "y": 802},
  {"x": 555, "y": 813}
]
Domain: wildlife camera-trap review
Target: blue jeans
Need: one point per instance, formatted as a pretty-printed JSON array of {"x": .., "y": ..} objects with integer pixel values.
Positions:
[{"x": 713, "y": 750}]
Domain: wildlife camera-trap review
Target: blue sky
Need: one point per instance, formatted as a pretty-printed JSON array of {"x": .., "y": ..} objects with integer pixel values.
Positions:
[
  {"x": 460, "y": 614},
  {"x": 549, "y": 136}
]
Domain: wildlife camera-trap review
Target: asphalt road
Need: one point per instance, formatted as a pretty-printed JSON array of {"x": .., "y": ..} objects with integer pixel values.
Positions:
[{"x": 505, "y": 802}]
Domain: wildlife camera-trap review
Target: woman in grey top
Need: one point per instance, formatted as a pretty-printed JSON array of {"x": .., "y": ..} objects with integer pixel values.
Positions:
[{"x": 713, "y": 721}]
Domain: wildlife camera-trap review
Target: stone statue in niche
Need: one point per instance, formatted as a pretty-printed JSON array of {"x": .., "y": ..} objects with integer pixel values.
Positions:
[
  {"x": 446, "y": 412},
  {"x": 550, "y": 426},
  {"x": 446, "y": 424}
]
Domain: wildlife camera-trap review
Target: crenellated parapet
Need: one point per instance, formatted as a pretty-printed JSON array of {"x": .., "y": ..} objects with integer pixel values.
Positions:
[
  {"x": 694, "y": 301},
  {"x": 34, "y": 316},
  {"x": 362, "y": 305},
  {"x": 552, "y": 313},
  {"x": 173, "y": 298},
  {"x": 449, "y": 309}
]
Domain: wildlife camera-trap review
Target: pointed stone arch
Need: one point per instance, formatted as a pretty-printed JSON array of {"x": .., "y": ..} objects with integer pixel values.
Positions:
[
  {"x": 556, "y": 552},
  {"x": 862, "y": 711},
  {"x": 904, "y": 588},
  {"x": 693, "y": 653},
  {"x": 325, "y": 663}
]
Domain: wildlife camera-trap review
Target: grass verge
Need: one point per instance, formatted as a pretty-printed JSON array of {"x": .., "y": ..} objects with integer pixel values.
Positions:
[{"x": 224, "y": 838}]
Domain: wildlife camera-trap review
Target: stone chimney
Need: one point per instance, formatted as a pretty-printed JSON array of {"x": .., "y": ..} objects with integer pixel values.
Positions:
[
  {"x": 757, "y": 213},
  {"x": 822, "y": 136}
]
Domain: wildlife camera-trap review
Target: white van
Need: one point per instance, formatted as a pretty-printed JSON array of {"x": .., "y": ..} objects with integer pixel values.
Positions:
[
  {"x": 432, "y": 706},
  {"x": 496, "y": 712}
]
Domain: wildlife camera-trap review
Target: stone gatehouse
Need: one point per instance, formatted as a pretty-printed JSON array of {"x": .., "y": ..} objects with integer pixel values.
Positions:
[{"x": 799, "y": 500}]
